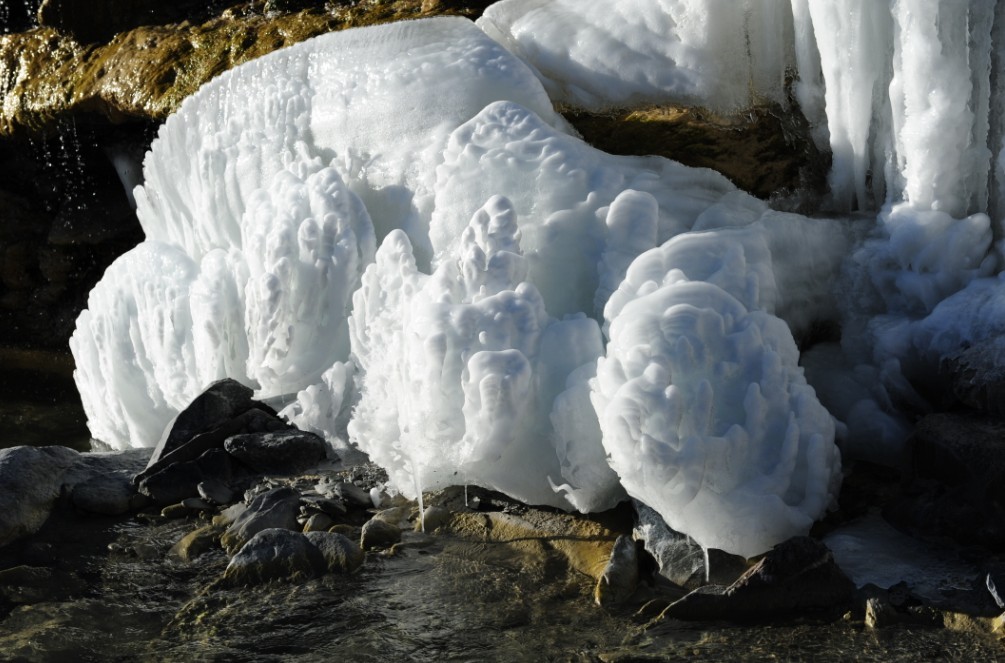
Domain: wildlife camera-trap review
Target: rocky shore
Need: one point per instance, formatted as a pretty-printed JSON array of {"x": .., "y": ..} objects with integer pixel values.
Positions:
[{"x": 238, "y": 504}]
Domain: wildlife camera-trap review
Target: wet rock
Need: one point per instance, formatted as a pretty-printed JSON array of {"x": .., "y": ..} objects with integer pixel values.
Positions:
[
  {"x": 197, "y": 542},
  {"x": 215, "y": 492},
  {"x": 281, "y": 452},
  {"x": 880, "y": 613},
  {"x": 175, "y": 511},
  {"x": 796, "y": 576},
  {"x": 196, "y": 504},
  {"x": 100, "y": 20},
  {"x": 341, "y": 554},
  {"x": 680, "y": 560},
  {"x": 175, "y": 482},
  {"x": 957, "y": 489},
  {"x": 378, "y": 533},
  {"x": 274, "y": 509},
  {"x": 31, "y": 479},
  {"x": 433, "y": 518},
  {"x": 620, "y": 578},
  {"x": 399, "y": 516},
  {"x": 275, "y": 554},
  {"x": 318, "y": 522}
]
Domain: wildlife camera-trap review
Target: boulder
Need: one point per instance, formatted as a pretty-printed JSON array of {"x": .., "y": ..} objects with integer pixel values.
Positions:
[
  {"x": 197, "y": 542},
  {"x": 378, "y": 533},
  {"x": 621, "y": 575},
  {"x": 281, "y": 452},
  {"x": 275, "y": 554},
  {"x": 957, "y": 485},
  {"x": 178, "y": 481},
  {"x": 796, "y": 576},
  {"x": 341, "y": 554},
  {"x": 218, "y": 405},
  {"x": 275, "y": 509},
  {"x": 976, "y": 375},
  {"x": 31, "y": 479}
]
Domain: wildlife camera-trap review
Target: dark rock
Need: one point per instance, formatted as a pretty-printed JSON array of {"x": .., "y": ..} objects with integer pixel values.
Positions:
[
  {"x": 880, "y": 613},
  {"x": 681, "y": 560},
  {"x": 277, "y": 508},
  {"x": 957, "y": 487},
  {"x": 334, "y": 508},
  {"x": 353, "y": 494},
  {"x": 621, "y": 575},
  {"x": 977, "y": 376},
  {"x": 109, "y": 495},
  {"x": 275, "y": 554},
  {"x": 217, "y": 406},
  {"x": 283, "y": 452},
  {"x": 796, "y": 576},
  {"x": 31, "y": 479},
  {"x": 379, "y": 534},
  {"x": 196, "y": 504},
  {"x": 174, "y": 511},
  {"x": 341, "y": 554},
  {"x": 178, "y": 481},
  {"x": 215, "y": 491}
]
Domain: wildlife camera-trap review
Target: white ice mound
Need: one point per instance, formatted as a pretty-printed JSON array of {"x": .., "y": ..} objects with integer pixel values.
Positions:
[
  {"x": 160, "y": 326},
  {"x": 465, "y": 378},
  {"x": 379, "y": 102},
  {"x": 704, "y": 410},
  {"x": 608, "y": 54}
]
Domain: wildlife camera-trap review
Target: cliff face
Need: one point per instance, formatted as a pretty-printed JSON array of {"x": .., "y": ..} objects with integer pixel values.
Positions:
[{"x": 81, "y": 95}]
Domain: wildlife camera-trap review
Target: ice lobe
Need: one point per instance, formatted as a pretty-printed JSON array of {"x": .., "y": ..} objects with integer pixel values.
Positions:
[
  {"x": 704, "y": 410},
  {"x": 465, "y": 378},
  {"x": 376, "y": 103},
  {"x": 602, "y": 55}
]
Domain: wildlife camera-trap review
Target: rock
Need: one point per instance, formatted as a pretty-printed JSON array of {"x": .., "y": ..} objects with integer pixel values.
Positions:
[
  {"x": 228, "y": 516},
  {"x": 957, "y": 488},
  {"x": 796, "y": 576},
  {"x": 275, "y": 509},
  {"x": 379, "y": 534},
  {"x": 197, "y": 542},
  {"x": 107, "y": 495},
  {"x": 976, "y": 375},
  {"x": 282, "y": 452},
  {"x": 275, "y": 554},
  {"x": 341, "y": 554},
  {"x": 178, "y": 481},
  {"x": 680, "y": 560},
  {"x": 215, "y": 491},
  {"x": 100, "y": 20},
  {"x": 433, "y": 518},
  {"x": 31, "y": 479},
  {"x": 879, "y": 613},
  {"x": 196, "y": 504},
  {"x": 174, "y": 511},
  {"x": 353, "y": 494},
  {"x": 333, "y": 507},
  {"x": 318, "y": 522},
  {"x": 621, "y": 575},
  {"x": 399, "y": 516}
]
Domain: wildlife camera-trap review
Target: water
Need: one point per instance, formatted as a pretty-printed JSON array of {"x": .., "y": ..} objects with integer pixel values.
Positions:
[{"x": 450, "y": 600}]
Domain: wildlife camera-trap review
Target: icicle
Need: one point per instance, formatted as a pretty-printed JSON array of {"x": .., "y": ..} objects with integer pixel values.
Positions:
[
  {"x": 465, "y": 496},
  {"x": 708, "y": 572},
  {"x": 418, "y": 491}
]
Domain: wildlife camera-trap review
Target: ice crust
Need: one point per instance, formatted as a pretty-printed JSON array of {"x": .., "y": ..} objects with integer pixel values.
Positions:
[{"x": 390, "y": 232}]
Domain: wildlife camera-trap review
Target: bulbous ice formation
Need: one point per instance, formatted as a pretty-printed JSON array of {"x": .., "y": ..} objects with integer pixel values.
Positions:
[
  {"x": 705, "y": 413},
  {"x": 465, "y": 378}
]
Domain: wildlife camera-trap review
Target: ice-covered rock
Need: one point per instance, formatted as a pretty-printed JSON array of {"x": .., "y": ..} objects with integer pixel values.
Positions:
[{"x": 714, "y": 53}]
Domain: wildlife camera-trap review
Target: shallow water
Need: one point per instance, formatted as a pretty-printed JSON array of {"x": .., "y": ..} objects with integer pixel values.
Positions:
[{"x": 444, "y": 600}]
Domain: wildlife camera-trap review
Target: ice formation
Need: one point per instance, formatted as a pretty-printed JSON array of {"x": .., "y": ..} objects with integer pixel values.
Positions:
[{"x": 544, "y": 318}]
